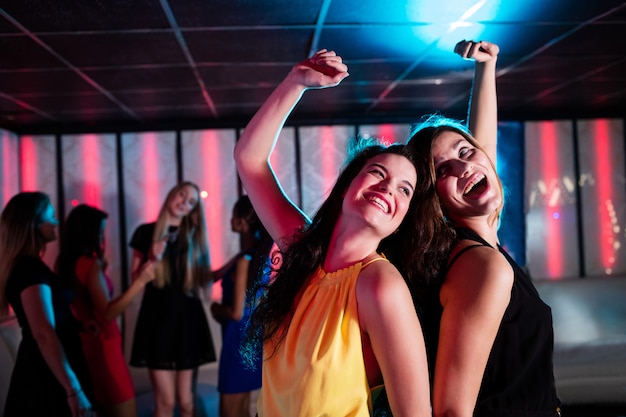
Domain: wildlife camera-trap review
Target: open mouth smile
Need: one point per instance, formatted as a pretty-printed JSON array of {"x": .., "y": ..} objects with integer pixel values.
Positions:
[
  {"x": 476, "y": 186},
  {"x": 384, "y": 206}
]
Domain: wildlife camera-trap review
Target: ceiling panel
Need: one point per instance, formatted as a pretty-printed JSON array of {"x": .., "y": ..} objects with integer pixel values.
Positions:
[
  {"x": 240, "y": 13},
  {"x": 249, "y": 45},
  {"x": 180, "y": 98},
  {"x": 33, "y": 83},
  {"x": 117, "y": 49},
  {"x": 59, "y": 104},
  {"x": 243, "y": 75},
  {"x": 118, "y": 64},
  {"x": 21, "y": 53},
  {"x": 158, "y": 78},
  {"x": 85, "y": 16}
]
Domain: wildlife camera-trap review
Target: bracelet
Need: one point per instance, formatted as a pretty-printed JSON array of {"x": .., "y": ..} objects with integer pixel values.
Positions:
[{"x": 74, "y": 394}]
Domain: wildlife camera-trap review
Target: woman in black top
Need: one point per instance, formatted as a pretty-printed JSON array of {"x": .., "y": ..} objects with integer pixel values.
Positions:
[
  {"x": 50, "y": 374},
  {"x": 172, "y": 335},
  {"x": 494, "y": 354}
]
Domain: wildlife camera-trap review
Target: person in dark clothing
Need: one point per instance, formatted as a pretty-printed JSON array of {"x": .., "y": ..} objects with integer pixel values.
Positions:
[
  {"x": 495, "y": 341},
  {"x": 172, "y": 336},
  {"x": 50, "y": 375}
]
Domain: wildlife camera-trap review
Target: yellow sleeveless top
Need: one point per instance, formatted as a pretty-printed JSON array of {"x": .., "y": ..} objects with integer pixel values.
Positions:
[{"x": 318, "y": 368}]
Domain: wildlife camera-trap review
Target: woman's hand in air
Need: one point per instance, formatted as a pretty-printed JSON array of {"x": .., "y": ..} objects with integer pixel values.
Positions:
[
  {"x": 480, "y": 51},
  {"x": 324, "y": 69}
]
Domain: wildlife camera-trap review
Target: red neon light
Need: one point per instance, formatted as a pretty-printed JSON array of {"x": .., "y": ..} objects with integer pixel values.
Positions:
[
  {"x": 604, "y": 173},
  {"x": 92, "y": 192},
  {"x": 551, "y": 169},
  {"x": 213, "y": 169},
  {"x": 151, "y": 169},
  {"x": 387, "y": 133},
  {"x": 328, "y": 162},
  {"x": 7, "y": 159},
  {"x": 28, "y": 164}
]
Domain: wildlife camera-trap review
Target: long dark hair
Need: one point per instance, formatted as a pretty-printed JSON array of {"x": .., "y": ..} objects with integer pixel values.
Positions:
[
  {"x": 19, "y": 234},
  {"x": 423, "y": 135},
  {"x": 410, "y": 249},
  {"x": 80, "y": 236}
]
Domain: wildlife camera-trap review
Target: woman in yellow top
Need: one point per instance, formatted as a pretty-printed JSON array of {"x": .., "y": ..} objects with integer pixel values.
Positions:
[{"x": 338, "y": 318}]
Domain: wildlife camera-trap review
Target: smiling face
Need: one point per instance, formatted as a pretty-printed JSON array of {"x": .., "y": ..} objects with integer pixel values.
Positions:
[
  {"x": 467, "y": 183},
  {"x": 182, "y": 202},
  {"x": 382, "y": 191}
]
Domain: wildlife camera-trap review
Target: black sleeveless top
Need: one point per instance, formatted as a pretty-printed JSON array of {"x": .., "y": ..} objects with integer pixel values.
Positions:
[{"x": 518, "y": 379}]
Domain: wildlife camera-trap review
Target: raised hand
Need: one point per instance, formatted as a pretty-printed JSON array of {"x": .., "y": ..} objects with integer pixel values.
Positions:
[
  {"x": 280, "y": 216},
  {"x": 324, "y": 69},
  {"x": 480, "y": 51}
]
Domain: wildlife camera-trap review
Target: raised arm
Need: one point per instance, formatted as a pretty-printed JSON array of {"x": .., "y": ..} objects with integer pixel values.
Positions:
[
  {"x": 278, "y": 214},
  {"x": 483, "y": 106}
]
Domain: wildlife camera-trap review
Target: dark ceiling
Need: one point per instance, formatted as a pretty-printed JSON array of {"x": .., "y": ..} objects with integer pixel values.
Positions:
[{"x": 97, "y": 65}]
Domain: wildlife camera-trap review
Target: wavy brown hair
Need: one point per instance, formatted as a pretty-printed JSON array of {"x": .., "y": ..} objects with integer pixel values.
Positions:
[{"x": 414, "y": 249}]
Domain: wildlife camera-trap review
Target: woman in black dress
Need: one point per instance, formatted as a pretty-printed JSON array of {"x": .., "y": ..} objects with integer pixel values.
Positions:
[
  {"x": 494, "y": 354},
  {"x": 50, "y": 374},
  {"x": 172, "y": 336}
]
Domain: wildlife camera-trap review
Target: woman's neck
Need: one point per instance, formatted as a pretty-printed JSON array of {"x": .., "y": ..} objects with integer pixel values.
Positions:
[
  {"x": 349, "y": 247},
  {"x": 173, "y": 221},
  {"x": 482, "y": 227}
]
